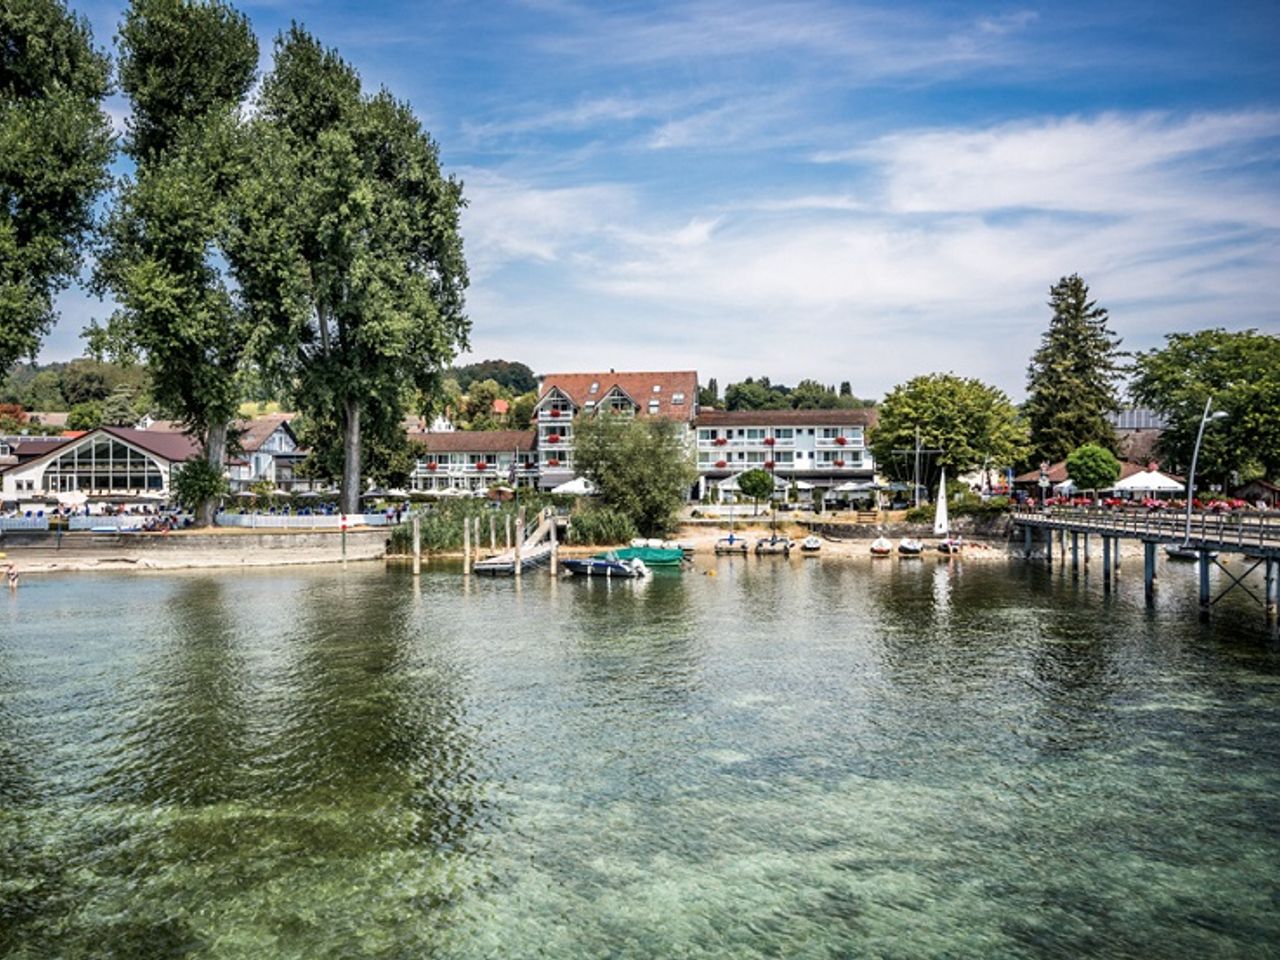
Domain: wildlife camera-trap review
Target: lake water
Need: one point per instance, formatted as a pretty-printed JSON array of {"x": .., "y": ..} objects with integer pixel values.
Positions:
[{"x": 787, "y": 759}]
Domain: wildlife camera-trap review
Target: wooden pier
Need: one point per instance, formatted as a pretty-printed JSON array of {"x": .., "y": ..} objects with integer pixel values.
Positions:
[{"x": 1255, "y": 537}]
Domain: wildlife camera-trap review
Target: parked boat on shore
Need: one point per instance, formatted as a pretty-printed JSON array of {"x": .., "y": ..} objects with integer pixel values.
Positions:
[
  {"x": 1185, "y": 553},
  {"x": 881, "y": 547},
  {"x": 910, "y": 547},
  {"x": 810, "y": 546},
  {"x": 731, "y": 545},
  {"x": 774, "y": 546},
  {"x": 651, "y": 556}
]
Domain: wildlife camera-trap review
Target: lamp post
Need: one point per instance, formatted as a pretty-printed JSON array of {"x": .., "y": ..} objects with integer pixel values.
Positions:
[{"x": 1195, "y": 454}]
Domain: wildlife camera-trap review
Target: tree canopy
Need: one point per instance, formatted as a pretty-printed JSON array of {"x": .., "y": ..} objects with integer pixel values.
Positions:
[
  {"x": 972, "y": 423},
  {"x": 514, "y": 377},
  {"x": 1241, "y": 372},
  {"x": 187, "y": 68},
  {"x": 347, "y": 246},
  {"x": 641, "y": 466},
  {"x": 1093, "y": 467},
  {"x": 756, "y": 484},
  {"x": 1071, "y": 382},
  {"x": 55, "y": 142},
  {"x": 764, "y": 394}
]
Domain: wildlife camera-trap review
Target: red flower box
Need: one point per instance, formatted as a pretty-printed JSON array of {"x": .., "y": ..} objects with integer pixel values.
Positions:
[
  {"x": 839, "y": 463},
  {"x": 768, "y": 464},
  {"x": 769, "y": 441},
  {"x": 553, "y": 463},
  {"x": 721, "y": 464},
  {"x": 481, "y": 465},
  {"x": 554, "y": 414},
  {"x": 721, "y": 441},
  {"x": 841, "y": 441},
  {"x": 433, "y": 467},
  {"x": 553, "y": 438}
]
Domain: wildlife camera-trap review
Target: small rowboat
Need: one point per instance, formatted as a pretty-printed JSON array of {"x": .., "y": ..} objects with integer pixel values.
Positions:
[
  {"x": 810, "y": 545},
  {"x": 605, "y": 566},
  {"x": 1185, "y": 553},
  {"x": 910, "y": 547},
  {"x": 880, "y": 547}
]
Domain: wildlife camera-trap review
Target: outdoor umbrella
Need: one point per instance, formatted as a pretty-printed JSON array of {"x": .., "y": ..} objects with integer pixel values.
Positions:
[
  {"x": 1150, "y": 481},
  {"x": 375, "y": 494},
  {"x": 309, "y": 495}
]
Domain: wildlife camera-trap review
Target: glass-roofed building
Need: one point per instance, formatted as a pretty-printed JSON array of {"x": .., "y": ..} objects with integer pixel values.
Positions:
[{"x": 114, "y": 462}]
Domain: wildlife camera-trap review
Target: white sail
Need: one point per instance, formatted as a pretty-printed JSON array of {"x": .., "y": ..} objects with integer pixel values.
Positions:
[{"x": 941, "y": 525}]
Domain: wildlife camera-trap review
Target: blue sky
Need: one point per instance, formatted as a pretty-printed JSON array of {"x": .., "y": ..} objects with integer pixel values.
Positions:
[{"x": 844, "y": 191}]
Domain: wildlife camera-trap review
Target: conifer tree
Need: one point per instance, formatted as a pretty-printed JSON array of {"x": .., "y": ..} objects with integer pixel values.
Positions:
[{"x": 1071, "y": 382}]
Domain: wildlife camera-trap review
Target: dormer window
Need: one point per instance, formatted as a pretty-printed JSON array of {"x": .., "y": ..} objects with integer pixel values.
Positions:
[
  {"x": 657, "y": 388},
  {"x": 595, "y": 387}
]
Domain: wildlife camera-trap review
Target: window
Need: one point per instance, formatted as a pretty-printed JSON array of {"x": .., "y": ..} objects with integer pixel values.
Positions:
[
  {"x": 753, "y": 433},
  {"x": 589, "y": 406},
  {"x": 784, "y": 433},
  {"x": 677, "y": 399},
  {"x": 706, "y": 436},
  {"x": 653, "y": 406},
  {"x": 657, "y": 388},
  {"x": 595, "y": 388}
]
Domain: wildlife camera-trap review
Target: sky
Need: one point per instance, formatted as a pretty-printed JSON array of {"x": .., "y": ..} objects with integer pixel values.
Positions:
[{"x": 835, "y": 190}]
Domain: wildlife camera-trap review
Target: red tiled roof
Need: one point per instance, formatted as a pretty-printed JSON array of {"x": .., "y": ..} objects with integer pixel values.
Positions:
[
  {"x": 639, "y": 386},
  {"x": 857, "y": 417},
  {"x": 1058, "y": 472},
  {"x": 477, "y": 441}
]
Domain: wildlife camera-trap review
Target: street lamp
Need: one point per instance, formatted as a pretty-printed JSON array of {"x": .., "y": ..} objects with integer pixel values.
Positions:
[{"x": 1195, "y": 454}]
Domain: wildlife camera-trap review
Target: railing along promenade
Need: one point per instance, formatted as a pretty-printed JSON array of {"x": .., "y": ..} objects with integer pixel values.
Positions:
[{"x": 1256, "y": 535}]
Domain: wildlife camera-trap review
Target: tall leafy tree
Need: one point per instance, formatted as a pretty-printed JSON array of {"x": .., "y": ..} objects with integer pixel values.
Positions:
[
  {"x": 187, "y": 66},
  {"x": 641, "y": 465},
  {"x": 1240, "y": 370},
  {"x": 756, "y": 484},
  {"x": 1071, "y": 382},
  {"x": 972, "y": 423},
  {"x": 1092, "y": 467},
  {"x": 55, "y": 142},
  {"x": 348, "y": 246}
]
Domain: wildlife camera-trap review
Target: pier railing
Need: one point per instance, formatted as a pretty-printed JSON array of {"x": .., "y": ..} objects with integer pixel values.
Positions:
[{"x": 1239, "y": 530}]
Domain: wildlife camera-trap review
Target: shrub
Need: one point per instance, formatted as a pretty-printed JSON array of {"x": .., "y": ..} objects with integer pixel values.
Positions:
[{"x": 600, "y": 525}]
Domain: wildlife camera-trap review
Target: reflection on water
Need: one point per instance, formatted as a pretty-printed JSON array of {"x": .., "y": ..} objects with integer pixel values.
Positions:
[{"x": 791, "y": 758}]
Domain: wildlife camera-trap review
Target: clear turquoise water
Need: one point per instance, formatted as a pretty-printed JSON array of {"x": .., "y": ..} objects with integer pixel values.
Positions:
[{"x": 788, "y": 759}]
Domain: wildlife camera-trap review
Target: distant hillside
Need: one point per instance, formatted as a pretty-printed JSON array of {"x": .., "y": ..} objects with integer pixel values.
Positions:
[{"x": 516, "y": 377}]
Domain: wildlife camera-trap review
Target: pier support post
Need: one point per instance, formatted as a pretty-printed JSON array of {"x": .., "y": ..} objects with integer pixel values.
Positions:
[
  {"x": 1149, "y": 571},
  {"x": 1086, "y": 550},
  {"x": 1026, "y": 541},
  {"x": 466, "y": 546},
  {"x": 1106, "y": 564},
  {"x": 1115, "y": 566},
  {"x": 417, "y": 545},
  {"x": 1273, "y": 588},
  {"x": 508, "y": 519},
  {"x": 1205, "y": 599},
  {"x": 519, "y": 540},
  {"x": 1075, "y": 551},
  {"x": 493, "y": 533},
  {"x": 1048, "y": 546}
]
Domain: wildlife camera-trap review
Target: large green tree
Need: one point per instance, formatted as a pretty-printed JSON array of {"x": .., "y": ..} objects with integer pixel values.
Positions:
[
  {"x": 972, "y": 423},
  {"x": 347, "y": 246},
  {"x": 756, "y": 484},
  {"x": 55, "y": 141},
  {"x": 642, "y": 466},
  {"x": 1240, "y": 370},
  {"x": 1092, "y": 467},
  {"x": 187, "y": 66},
  {"x": 1071, "y": 382}
]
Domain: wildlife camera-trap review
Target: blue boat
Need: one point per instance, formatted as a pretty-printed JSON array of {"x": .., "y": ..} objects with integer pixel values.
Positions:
[{"x": 606, "y": 565}]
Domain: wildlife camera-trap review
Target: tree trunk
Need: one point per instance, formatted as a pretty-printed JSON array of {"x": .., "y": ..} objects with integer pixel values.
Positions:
[
  {"x": 215, "y": 451},
  {"x": 351, "y": 455}
]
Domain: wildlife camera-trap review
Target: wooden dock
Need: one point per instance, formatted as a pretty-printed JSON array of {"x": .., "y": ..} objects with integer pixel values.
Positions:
[{"x": 1256, "y": 537}]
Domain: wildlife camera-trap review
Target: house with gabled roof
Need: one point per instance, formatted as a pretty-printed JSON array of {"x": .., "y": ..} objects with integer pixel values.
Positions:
[
  {"x": 474, "y": 459},
  {"x": 562, "y": 396}
]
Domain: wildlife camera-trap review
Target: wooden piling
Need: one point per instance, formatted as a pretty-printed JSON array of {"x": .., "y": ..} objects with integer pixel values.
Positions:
[
  {"x": 417, "y": 545},
  {"x": 1149, "y": 571},
  {"x": 507, "y": 518},
  {"x": 555, "y": 551},
  {"x": 466, "y": 545},
  {"x": 1115, "y": 566},
  {"x": 493, "y": 533},
  {"x": 1106, "y": 564},
  {"x": 1026, "y": 540},
  {"x": 1048, "y": 546},
  {"x": 1273, "y": 588},
  {"x": 519, "y": 539},
  {"x": 1075, "y": 551}
]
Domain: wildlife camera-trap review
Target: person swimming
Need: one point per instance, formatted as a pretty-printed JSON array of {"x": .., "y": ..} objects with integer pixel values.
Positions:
[{"x": 11, "y": 574}]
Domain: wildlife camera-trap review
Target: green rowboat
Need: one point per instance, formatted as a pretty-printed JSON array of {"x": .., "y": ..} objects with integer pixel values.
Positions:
[{"x": 652, "y": 556}]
